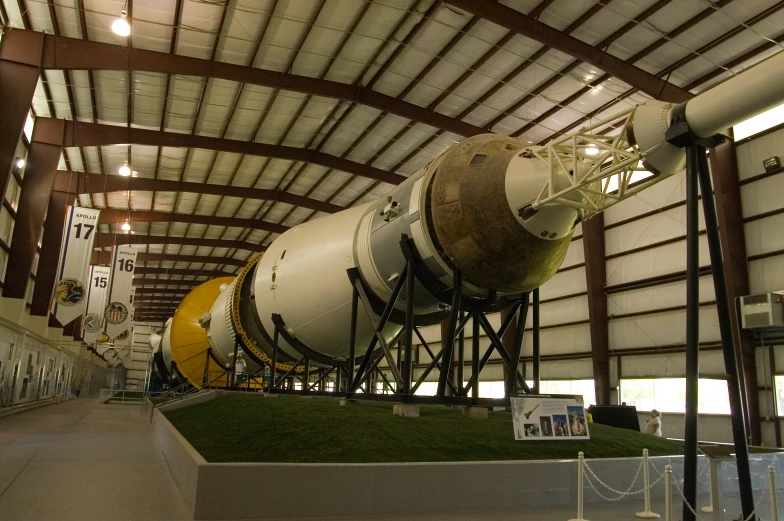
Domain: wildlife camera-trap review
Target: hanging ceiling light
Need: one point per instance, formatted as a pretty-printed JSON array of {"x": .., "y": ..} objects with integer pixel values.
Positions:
[
  {"x": 121, "y": 26},
  {"x": 126, "y": 227},
  {"x": 20, "y": 163},
  {"x": 125, "y": 169},
  {"x": 592, "y": 150}
]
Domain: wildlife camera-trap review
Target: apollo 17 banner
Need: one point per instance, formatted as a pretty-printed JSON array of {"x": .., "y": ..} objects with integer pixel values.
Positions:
[
  {"x": 117, "y": 311},
  {"x": 70, "y": 289},
  {"x": 97, "y": 284}
]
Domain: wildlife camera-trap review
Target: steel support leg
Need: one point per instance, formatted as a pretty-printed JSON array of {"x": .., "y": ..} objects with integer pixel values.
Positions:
[
  {"x": 274, "y": 364},
  {"x": 234, "y": 365},
  {"x": 535, "y": 339},
  {"x": 352, "y": 341},
  {"x": 692, "y": 334},
  {"x": 461, "y": 359},
  {"x": 449, "y": 341},
  {"x": 475, "y": 357},
  {"x": 511, "y": 384},
  {"x": 408, "y": 336},
  {"x": 727, "y": 338}
]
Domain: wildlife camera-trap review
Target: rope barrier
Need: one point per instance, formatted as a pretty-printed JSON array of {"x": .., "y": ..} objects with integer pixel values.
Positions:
[{"x": 587, "y": 474}]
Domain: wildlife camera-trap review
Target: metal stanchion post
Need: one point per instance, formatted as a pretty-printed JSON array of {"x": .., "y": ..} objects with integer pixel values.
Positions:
[
  {"x": 667, "y": 493},
  {"x": 580, "y": 471},
  {"x": 646, "y": 514},
  {"x": 774, "y": 507}
]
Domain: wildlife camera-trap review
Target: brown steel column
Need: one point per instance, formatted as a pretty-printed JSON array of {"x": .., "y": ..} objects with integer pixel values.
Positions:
[
  {"x": 46, "y": 273},
  {"x": 596, "y": 278},
  {"x": 42, "y": 159},
  {"x": 726, "y": 186},
  {"x": 20, "y": 61}
]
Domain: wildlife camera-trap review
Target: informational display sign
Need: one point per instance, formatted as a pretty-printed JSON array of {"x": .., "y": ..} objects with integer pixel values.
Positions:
[
  {"x": 116, "y": 314},
  {"x": 544, "y": 417},
  {"x": 70, "y": 289},
  {"x": 97, "y": 286}
]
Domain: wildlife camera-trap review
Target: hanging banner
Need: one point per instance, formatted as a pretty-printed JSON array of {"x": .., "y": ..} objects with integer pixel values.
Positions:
[
  {"x": 70, "y": 289},
  {"x": 555, "y": 417},
  {"x": 98, "y": 284},
  {"x": 117, "y": 316}
]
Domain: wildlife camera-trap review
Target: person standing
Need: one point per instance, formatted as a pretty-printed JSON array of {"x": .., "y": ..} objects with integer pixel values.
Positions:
[{"x": 654, "y": 424}]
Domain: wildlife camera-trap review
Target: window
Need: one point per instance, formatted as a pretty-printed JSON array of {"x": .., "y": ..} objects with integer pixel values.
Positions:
[
  {"x": 28, "y": 127},
  {"x": 669, "y": 395},
  {"x": 581, "y": 387},
  {"x": 779, "y": 383},
  {"x": 759, "y": 123}
]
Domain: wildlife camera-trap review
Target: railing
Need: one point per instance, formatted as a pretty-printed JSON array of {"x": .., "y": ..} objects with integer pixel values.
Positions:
[
  {"x": 122, "y": 396},
  {"x": 181, "y": 391}
]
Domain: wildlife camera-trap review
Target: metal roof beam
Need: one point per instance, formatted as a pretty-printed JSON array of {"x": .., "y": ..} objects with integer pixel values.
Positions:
[
  {"x": 113, "y": 215},
  {"x": 184, "y": 272},
  {"x": 105, "y": 240},
  {"x": 105, "y": 257},
  {"x": 75, "y": 54},
  {"x": 189, "y": 283},
  {"x": 81, "y": 183},
  {"x": 541, "y": 32},
  {"x": 83, "y": 134}
]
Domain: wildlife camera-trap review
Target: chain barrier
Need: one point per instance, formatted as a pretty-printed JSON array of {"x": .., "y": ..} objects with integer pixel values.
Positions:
[
  {"x": 586, "y": 472},
  {"x": 691, "y": 508},
  {"x": 621, "y": 494}
]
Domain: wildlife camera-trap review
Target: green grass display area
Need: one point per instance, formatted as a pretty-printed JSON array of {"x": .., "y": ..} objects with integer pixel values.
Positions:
[{"x": 317, "y": 430}]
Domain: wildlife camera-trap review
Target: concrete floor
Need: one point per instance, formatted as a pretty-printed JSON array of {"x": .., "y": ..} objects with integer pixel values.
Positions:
[{"x": 81, "y": 460}]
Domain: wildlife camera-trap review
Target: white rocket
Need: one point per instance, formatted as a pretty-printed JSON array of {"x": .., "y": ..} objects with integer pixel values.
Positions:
[{"x": 500, "y": 212}]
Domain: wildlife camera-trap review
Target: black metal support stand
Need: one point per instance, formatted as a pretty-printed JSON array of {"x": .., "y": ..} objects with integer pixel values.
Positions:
[
  {"x": 413, "y": 279},
  {"x": 274, "y": 364},
  {"x": 511, "y": 384},
  {"x": 408, "y": 335},
  {"x": 697, "y": 172},
  {"x": 727, "y": 340},
  {"x": 535, "y": 340},
  {"x": 692, "y": 335},
  {"x": 234, "y": 364}
]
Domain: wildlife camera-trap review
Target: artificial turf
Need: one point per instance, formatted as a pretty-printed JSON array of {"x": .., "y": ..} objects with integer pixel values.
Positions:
[{"x": 318, "y": 430}]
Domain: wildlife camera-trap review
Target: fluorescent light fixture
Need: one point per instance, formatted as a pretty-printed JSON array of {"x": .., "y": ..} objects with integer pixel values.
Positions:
[
  {"x": 126, "y": 227},
  {"x": 125, "y": 170},
  {"x": 121, "y": 27},
  {"x": 759, "y": 123},
  {"x": 20, "y": 163}
]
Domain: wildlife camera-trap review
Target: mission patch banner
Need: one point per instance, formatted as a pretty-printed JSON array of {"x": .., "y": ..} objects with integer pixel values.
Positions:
[
  {"x": 116, "y": 314},
  {"x": 92, "y": 322},
  {"x": 70, "y": 289}
]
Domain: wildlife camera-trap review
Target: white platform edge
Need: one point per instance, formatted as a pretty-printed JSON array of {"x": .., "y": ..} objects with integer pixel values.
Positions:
[{"x": 275, "y": 490}]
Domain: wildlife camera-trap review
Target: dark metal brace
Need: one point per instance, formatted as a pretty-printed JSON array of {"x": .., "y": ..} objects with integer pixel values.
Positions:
[
  {"x": 697, "y": 171},
  {"x": 291, "y": 370},
  {"x": 378, "y": 337},
  {"x": 448, "y": 346},
  {"x": 323, "y": 373},
  {"x": 522, "y": 308},
  {"x": 496, "y": 342}
]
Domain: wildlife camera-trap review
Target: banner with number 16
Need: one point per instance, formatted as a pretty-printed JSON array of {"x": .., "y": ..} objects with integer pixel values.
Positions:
[{"x": 117, "y": 312}]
